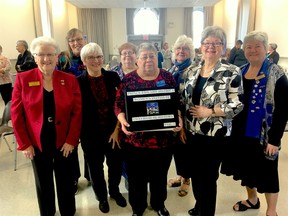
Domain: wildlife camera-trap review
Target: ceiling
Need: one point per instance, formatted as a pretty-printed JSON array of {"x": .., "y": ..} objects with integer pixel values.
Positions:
[{"x": 141, "y": 3}]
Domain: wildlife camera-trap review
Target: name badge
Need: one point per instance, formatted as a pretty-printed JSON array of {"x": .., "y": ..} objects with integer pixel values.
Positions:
[
  {"x": 35, "y": 83},
  {"x": 261, "y": 76},
  {"x": 160, "y": 83}
]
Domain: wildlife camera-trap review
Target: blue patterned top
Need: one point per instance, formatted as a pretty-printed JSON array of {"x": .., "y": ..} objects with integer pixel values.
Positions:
[{"x": 71, "y": 64}]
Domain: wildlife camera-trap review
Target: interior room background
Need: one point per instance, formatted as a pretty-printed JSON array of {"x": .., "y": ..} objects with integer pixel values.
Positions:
[{"x": 18, "y": 21}]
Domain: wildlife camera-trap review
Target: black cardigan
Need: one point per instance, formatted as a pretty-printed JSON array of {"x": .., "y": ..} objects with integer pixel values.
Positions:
[{"x": 90, "y": 120}]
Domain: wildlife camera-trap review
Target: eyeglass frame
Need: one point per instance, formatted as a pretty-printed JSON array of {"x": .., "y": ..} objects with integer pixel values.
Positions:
[
  {"x": 145, "y": 58},
  {"x": 98, "y": 57},
  {"x": 129, "y": 53},
  {"x": 214, "y": 44},
  {"x": 78, "y": 40},
  {"x": 182, "y": 48},
  {"x": 42, "y": 55}
]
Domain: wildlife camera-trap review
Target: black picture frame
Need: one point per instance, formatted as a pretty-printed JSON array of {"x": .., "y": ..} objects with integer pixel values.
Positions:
[{"x": 152, "y": 109}]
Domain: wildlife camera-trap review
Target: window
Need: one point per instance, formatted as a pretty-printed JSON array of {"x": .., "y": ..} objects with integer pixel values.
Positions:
[
  {"x": 198, "y": 20},
  {"x": 146, "y": 21}
]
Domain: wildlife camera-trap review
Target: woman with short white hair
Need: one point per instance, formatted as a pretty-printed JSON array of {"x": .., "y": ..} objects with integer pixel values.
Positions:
[
  {"x": 258, "y": 129},
  {"x": 46, "y": 117},
  {"x": 99, "y": 131},
  {"x": 183, "y": 52}
]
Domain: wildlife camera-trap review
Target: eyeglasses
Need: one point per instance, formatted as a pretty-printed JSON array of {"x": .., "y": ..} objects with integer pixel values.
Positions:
[
  {"x": 99, "y": 57},
  {"x": 129, "y": 53},
  {"x": 183, "y": 48},
  {"x": 145, "y": 58},
  {"x": 216, "y": 44},
  {"x": 42, "y": 55},
  {"x": 75, "y": 40}
]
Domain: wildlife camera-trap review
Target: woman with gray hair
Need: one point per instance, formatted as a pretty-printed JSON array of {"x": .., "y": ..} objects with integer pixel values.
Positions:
[
  {"x": 272, "y": 54},
  {"x": 127, "y": 52},
  {"x": 46, "y": 117},
  {"x": 258, "y": 129},
  {"x": 183, "y": 51},
  {"x": 212, "y": 99},
  {"x": 25, "y": 60},
  {"x": 99, "y": 131},
  {"x": 70, "y": 61},
  {"x": 147, "y": 154}
]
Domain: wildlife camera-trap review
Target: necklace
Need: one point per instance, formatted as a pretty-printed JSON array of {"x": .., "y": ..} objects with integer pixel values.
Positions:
[{"x": 206, "y": 72}]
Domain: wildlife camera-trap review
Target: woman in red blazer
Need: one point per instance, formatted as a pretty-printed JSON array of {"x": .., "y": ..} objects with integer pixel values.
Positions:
[{"x": 46, "y": 116}]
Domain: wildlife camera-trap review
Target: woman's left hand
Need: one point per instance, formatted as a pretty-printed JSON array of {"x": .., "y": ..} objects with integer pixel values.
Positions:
[
  {"x": 115, "y": 138},
  {"x": 180, "y": 126},
  {"x": 182, "y": 136},
  {"x": 271, "y": 149},
  {"x": 124, "y": 124},
  {"x": 200, "y": 111},
  {"x": 67, "y": 149}
]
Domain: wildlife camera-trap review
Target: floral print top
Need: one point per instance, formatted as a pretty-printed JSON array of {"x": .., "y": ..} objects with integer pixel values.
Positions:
[
  {"x": 5, "y": 67},
  {"x": 72, "y": 64}
]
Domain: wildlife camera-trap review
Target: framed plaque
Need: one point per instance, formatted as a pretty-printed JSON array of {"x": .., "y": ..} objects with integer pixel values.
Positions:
[{"x": 152, "y": 109}]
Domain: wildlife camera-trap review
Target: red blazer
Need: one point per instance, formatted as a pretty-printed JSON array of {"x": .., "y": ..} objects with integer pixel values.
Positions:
[{"x": 27, "y": 108}]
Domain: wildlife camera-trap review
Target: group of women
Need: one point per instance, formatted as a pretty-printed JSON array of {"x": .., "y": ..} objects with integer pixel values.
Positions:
[
  {"x": 228, "y": 116},
  {"x": 234, "y": 118}
]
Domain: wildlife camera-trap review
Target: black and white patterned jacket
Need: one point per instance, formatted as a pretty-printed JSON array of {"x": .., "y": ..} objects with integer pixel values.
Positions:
[{"x": 223, "y": 88}]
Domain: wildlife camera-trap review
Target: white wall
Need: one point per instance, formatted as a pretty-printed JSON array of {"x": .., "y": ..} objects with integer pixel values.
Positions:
[
  {"x": 116, "y": 29},
  {"x": 175, "y": 26},
  {"x": 272, "y": 18},
  {"x": 230, "y": 18},
  {"x": 60, "y": 22},
  {"x": 225, "y": 16},
  {"x": 16, "y": 24},
  {"x": 17, "y": 19},
  {"x": 72, "y": 16}
]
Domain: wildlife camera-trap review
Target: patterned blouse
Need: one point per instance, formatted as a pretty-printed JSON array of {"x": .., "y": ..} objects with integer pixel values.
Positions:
[
  {"x": 100, "y": 94},
  {"x": 223, "y": 88},
  {"x": 180, "y": 76},
  {"x": 118, "y": 68},
  {"x": 5, "y": 66},
  {"x": 276, "y": 91},
  {"x": 71, "y": 64}
]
